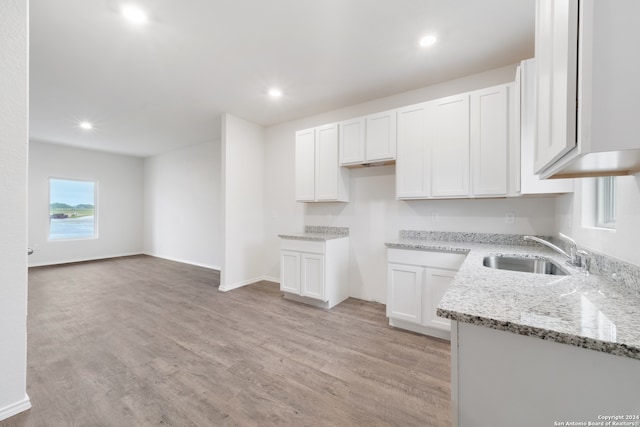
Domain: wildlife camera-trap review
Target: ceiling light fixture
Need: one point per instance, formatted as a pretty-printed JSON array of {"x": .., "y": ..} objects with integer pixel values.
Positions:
[
  {"x": 86, "y": 125},
  {"x": 428, "y": 41},
  {"x": 134, "y": 14},
  {"x": 275, "y": 93}
]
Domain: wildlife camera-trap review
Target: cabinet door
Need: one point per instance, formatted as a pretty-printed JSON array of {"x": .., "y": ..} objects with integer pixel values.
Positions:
[
  {"x": 436, "y": 284},
  {"x": 352, "y": 141},
  {"x": 312, "y": 279},
  {"x": 489, "y": 135},
  {"x": 327, "y": 162},
  {"x": 305, "y": 165},
  {"x": 412, "y": 174},
  {"x": 448, "y": 139},
  {"x": 381, "y": 136},
  {"x": 556, "y": 77},
  {"x": 404, "y": 287},
  {"x": 531, "y": 183},
  {"x": 290, "y": 272}
]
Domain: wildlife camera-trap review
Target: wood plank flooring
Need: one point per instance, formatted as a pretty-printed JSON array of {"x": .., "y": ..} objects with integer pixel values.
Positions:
[{"x": 139, "y": 341}]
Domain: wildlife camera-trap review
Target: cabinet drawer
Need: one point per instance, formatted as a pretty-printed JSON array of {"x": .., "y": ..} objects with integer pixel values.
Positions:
[
  {"x": 311, "y": 246},
  {"x": 445, "y": 260}
]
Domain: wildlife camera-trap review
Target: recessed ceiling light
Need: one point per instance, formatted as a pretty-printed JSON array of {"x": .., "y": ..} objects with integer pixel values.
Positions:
[
  {"x": 428, "y": 41},
  {"x": 275, "y": 92},
  {"x": 134, "y": 14},
  {"x": 86, "y": 125}
]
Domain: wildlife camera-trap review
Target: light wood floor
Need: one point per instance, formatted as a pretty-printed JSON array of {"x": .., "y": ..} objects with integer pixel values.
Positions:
[{"x": 141, "y": 341}]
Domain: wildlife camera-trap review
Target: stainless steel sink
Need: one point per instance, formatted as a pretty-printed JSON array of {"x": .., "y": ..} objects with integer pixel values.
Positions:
[{"x": 539, "y": 265}]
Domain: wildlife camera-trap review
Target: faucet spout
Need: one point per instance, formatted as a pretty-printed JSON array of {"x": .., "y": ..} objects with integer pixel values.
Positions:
[
  {"x": 548, "y": 244},
  {"x": 574, "y": 258}
]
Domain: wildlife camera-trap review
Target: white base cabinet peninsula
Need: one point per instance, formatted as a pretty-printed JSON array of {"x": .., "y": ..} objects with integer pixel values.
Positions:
[
  {"x": 416, "y": 282},
  {"x": 536, "y": 382},
  {"x": 314, "y": 268}
]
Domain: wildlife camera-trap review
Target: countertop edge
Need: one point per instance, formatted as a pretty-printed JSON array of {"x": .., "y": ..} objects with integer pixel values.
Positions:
[
  {"x": 427, "y": 247},
  {"x": 617, "y": 349},
  {"x": 312, "y": 237}
]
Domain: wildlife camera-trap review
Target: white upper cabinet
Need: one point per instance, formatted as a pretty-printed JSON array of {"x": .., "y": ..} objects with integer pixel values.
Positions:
[
  {"x": 318, "y": 175},
  {"x": 530, "y": 183},
  {"x": 327, "y": 169},
  {"x": 489, "y": 138},
  {"x": 459, "y": 146},
  {"x": 352, "y": 141},
  {"x": 586, "y": 61},
  {"x": 305, "y": 165},
  {"x": 556, "y": 70},
  {"x": 412, "y": 165},
  {"x": 448, "y": 138},
  {"x": 381, "y": 136},
  {"x": 368, "y": 139}
]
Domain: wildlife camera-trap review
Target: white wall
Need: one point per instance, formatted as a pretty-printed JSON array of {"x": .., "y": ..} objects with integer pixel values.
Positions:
[
  {"x": 243, "y": 206},
  {"x": 119, "y": 205},
  {"x": 14, "y": 129},
  {"x": 621, "y": 243},
  {"x": 373, "y": 214},
  {"x": 182, "y": 219}
]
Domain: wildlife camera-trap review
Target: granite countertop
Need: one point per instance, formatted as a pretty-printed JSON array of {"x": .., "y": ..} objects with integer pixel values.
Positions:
[
  {"x": 318, "y": 233},
  {"x": 592, "y": 311}
]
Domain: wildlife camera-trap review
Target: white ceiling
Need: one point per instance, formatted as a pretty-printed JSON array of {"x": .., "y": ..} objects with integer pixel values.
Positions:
[{"x": 158, "y": 87}]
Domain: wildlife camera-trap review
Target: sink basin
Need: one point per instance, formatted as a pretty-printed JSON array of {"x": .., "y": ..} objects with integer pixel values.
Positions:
[{"x": 539, "y": 265}]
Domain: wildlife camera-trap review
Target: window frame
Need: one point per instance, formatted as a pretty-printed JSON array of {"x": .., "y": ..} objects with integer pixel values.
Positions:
[
  {"x": 606, "y": 211},
  {"x": 95, "y": 234}
]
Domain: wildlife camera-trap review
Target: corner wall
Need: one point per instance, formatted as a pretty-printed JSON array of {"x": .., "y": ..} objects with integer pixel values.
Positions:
[
  {"x": 621, "y": 243},
  {"x": 373, "y": 214},
  {"x": 182, "y": 205},
  {"x": 119, "y": 203},
  {"x": 243, "y": 202},
  {"x": 14, "y": 133}
]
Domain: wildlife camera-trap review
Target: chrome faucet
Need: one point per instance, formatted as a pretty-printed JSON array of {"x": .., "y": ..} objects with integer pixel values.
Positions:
[{"x": 577, "y": 258}]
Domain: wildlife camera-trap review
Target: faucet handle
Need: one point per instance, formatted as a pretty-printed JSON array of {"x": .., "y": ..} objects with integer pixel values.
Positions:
[{"x": 584, "y": 258}]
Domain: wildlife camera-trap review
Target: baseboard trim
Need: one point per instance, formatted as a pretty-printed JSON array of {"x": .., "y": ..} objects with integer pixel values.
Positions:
[
  {"x": 184, "y": 261},
  {"x": 74, "y": 260},
  {"x": 232, "y": 286},
  {"x": 419, "y": 329},
  {"x": 15, "y": 408}
]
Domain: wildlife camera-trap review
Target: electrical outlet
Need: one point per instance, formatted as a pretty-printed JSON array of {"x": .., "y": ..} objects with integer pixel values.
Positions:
[
  {"x": 435, "y": 216},
  {"x": 509, "y": 217}
]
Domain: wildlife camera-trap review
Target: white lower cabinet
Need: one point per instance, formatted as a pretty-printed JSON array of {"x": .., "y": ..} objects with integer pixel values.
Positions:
[
  {"x": 405, "y": 292},
  {"x": 416, "y": 282},
  {"x": 315, "y": 272},
  {"x": 312, "y": 283}
]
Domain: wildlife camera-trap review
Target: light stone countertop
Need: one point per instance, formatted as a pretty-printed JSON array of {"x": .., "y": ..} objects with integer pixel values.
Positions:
[
  {"x": 585, "y": 311},
  {"x": 318, "y": 233}
]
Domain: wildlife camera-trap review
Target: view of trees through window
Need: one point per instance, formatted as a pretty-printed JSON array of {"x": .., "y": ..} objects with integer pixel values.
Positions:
[{"x": 71, "y": 209}]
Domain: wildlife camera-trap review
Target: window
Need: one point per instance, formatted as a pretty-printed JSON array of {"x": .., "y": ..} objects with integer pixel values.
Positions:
[
  {"x": 606, "y": 202},
  {"x": 72, "y": 213},
  {"x": 599, "y": 202}
]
